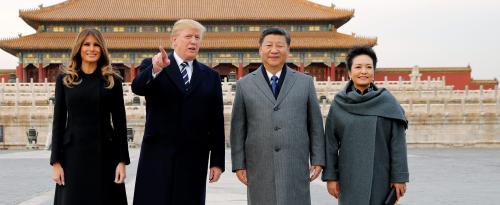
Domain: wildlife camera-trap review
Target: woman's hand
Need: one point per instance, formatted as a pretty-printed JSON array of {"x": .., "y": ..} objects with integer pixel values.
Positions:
[
  {"x": 120, "y": 173},
  {"x": 314, "y": 172},
  {"x": 400, "y": 189},
  {"x": 333, "y": 188},
  {"x": 242, "y": 176},
  {"x": 58, "y": 171},
  {"x": 214, "y": 175}
]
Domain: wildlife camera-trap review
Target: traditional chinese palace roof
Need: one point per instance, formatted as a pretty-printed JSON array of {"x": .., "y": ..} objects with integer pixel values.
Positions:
[
  {"x": 165, "y": 12},
  {"x": 237, "y": 11}
]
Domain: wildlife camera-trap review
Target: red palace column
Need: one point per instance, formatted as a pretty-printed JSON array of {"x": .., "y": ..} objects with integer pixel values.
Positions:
[
  {"x": 346, "y": 74},
  {"x": 326, "y": 73},
  {"x": 239, "y": 73},
  {"x": 19, "y": 72},
  {"x": 332, "y": 72},
  {"x": 301, "y": 67},
  {"x": 40, "y": 73},
  {"x": 132, "y": 72}
]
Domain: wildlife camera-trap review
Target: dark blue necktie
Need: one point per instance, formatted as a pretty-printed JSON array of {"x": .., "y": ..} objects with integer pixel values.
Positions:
[
  {"x": 274, "y": 84},
  {"x": 184, "y": 73}
]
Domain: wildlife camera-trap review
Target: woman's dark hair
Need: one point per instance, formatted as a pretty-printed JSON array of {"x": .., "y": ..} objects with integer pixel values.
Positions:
[
  {"x": 275, "y": 31},
  {"x": 361, "y": 50}
]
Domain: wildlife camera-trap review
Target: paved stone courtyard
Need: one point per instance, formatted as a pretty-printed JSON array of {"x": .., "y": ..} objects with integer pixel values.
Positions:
[{"x": 438, "y": 176}]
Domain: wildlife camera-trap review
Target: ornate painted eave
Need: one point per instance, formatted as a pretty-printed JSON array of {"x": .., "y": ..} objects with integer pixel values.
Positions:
[{"x": 217, "y": 40}]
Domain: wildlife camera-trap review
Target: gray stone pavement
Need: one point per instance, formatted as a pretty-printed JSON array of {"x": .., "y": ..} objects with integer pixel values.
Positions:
[{"x": 438, "y": 176}]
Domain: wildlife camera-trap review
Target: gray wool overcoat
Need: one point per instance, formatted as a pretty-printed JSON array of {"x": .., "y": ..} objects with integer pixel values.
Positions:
[
  {"x": 276, "y": 140},
  {"x": 365, "y": 145}
]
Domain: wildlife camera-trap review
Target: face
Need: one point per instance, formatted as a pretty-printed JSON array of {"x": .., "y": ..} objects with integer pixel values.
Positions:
[
  {"x": 274, "y": 51},
  {"x": 90, "y": 50},
  {"x": 362, "y": 72},
  {"x": 187, "y": 43}
]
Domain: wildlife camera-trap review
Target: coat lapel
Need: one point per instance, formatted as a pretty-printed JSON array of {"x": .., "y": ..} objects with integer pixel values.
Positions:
[
  {"x": 263, "y": 86},
  {"x": 174, "y": 74},
  {"x": 290, "y": 78},
  {"x": 196, "y": 77}
]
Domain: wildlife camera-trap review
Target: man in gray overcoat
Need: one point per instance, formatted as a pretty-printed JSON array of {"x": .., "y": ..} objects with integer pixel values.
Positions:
[{"x": 277, "y": 142}]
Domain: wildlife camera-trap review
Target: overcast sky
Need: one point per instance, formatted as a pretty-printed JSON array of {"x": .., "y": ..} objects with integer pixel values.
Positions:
[{"x": 427, "y": 33}]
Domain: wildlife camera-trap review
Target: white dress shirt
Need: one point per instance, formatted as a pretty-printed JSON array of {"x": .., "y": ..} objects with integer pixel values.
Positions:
[
  {"x": 269, "y": 75},
  {"x": 179, "y": 60}
]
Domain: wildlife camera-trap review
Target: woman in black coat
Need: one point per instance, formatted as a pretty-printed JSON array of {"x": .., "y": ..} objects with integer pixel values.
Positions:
[
  {"x": 89, "y": 153},
  {"x": 365, "y": 138}
]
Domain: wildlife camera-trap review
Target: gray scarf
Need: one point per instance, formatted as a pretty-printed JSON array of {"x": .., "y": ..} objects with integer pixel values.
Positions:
[{"x": 378, "y": 102}]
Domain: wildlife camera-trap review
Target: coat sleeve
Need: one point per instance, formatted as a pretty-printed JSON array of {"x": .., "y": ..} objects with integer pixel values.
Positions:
[
  {"x": 141, "y": 85},
  {"x": 59, "y": 121},
  {"x": 119, "y": 122},
  {"x": 238, "y": 133},
  {"x": 315, "y": 128},
  {"x": 217, "y": 137},
  {"x": 399, "y": 158},
  {"x": 331, "y": 171}
]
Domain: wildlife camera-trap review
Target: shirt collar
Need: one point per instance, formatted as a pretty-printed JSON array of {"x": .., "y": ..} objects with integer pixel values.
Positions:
[
  {"x": 370, "y": 88},
  {"x": 269, "y": 74},
  {"x": 179, "y": 60}
]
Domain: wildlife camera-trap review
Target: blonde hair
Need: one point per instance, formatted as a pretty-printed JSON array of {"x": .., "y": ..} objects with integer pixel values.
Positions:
[
  {"x": 103, "y": 64},
  {"x": 187, "y": 24}
]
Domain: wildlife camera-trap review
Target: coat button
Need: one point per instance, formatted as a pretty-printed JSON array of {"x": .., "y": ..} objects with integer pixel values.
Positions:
[
  {"x": 276, "y": 128},
  {"x": 276, "y": 108},
  {"x": 277, "y": 149}
]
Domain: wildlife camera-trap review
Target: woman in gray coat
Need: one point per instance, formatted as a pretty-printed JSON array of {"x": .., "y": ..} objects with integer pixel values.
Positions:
[{"x": 365, "y": 138}]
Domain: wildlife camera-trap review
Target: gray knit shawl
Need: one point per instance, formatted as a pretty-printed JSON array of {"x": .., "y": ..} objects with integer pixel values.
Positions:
[{"x": 379, "y": 102}]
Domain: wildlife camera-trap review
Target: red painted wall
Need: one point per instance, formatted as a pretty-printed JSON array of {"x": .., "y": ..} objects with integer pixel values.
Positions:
[
  {"x": 380, "y": 76},
  {"x": 5, "y": 74},
  {"x": 458, "y": 79},
  {"x": 5, "y": 77}
]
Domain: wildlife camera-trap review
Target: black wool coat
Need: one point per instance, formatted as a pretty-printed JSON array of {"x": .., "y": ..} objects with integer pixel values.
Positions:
[
  {"x": 87, "y": 143},
  {"x": 184, "y": 128}
]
